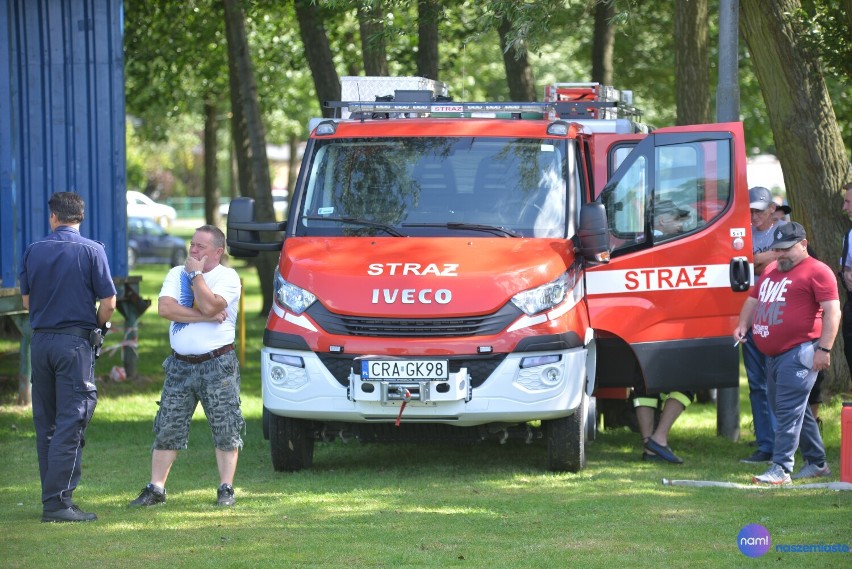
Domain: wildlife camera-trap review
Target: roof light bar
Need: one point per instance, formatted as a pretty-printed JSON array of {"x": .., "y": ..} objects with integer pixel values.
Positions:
[
  {"x": 554, "y": 109},
  {"x": 441, "y": 108}
]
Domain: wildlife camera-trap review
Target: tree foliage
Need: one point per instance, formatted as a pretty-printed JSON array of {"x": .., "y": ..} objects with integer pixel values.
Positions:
[
  {"x": 174, "y": 59},
  {"x": 827, "y": 30}
]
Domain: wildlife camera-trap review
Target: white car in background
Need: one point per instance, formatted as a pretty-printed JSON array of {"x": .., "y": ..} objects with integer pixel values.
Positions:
[
  {"x": 279, "y": 204},
  {"x": 140, "y": 205}
]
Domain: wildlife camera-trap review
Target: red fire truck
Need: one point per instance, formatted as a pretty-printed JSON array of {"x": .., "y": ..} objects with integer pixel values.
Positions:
[{"x": 486, "y": 270}]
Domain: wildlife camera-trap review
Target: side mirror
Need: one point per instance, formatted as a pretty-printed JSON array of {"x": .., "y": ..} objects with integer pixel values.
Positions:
[
  {"x": 240, "y": 211},
  {"x": 593, "y": 233}
]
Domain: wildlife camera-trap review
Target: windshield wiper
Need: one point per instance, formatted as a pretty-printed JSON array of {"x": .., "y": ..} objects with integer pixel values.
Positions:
[
  {"x": 355, "y": 221},
  {"x": 496, "y": 230}
]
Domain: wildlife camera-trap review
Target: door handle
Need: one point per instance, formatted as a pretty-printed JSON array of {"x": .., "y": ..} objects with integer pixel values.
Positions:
[{"x": 740, "y": 274}]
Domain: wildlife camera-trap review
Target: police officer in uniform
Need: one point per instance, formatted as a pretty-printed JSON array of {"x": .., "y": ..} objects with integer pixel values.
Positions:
[{"x": 62, "y": 277}]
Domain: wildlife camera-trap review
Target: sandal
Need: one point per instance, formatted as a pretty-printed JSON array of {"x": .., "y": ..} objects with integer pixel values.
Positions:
[{"x": 663, "y": 452}]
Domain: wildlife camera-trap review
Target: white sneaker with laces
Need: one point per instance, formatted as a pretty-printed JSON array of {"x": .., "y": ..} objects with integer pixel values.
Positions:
[
  {"x": 774, "y": 476},
  {"x": 812, "y": 471}
]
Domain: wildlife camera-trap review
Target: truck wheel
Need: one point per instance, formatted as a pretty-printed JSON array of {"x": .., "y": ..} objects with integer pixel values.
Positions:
[
  {"x": 566, "y": 448},
  {"x": 291, "y": 442}
]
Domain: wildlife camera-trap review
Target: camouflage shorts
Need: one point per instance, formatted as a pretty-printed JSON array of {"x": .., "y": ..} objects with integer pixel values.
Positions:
[{"x": 216, "y": 384}]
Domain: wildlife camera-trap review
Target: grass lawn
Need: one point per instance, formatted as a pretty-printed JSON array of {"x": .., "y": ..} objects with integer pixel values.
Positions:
[{"x": 485, "y": 506}]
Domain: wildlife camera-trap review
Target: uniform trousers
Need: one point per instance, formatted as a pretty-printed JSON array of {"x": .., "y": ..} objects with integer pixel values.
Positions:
[{"x": 64, "y": 398}]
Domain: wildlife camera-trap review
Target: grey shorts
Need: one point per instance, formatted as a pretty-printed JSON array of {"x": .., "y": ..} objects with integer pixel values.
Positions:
[{"x": 216, "y": 384}]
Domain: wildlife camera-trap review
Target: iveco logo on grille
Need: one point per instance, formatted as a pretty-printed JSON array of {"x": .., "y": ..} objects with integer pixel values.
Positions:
[{"x": 411, "y": 296}]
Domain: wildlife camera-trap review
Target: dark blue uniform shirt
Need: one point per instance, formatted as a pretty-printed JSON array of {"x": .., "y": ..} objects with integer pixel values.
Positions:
[{"x": 65, "y": 274}]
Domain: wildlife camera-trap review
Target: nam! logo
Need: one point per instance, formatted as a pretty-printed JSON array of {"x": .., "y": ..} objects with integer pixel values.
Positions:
[{"x": 754, "y": 540}]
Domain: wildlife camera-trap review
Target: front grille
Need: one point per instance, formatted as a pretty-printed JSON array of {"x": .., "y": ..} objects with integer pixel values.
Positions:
[
  {"x": 479, "y": 367},
  {"x": 345, "y": 325}
]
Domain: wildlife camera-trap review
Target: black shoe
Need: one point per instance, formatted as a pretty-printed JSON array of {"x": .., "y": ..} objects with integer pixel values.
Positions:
[
  {"x": 225, "y": 495},
  {"x": 663, "y": 452},
  {"x": 757, "y": 457},
  {"x": 72, "y": 514},
  {"x": 149, "y": 497}
]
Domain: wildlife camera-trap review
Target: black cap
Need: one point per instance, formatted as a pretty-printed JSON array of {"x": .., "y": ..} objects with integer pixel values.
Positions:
[{"x": 788, "y": 235}]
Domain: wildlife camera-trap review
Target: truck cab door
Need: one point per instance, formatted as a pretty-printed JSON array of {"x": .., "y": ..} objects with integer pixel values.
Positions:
[{"x": 678, "y": 215}]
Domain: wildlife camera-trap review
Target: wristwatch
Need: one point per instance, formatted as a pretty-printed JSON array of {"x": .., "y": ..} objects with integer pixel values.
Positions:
[
  {"x": 194, "y": 274},
  {"x": 826, "y": 350}
]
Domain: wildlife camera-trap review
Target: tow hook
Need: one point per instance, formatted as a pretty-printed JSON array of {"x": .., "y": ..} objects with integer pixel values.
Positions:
[{"x": 406, "y": 397}]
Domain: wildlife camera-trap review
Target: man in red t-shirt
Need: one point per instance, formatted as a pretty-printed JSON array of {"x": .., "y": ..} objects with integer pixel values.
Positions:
[{"x": 793, "y": 315}]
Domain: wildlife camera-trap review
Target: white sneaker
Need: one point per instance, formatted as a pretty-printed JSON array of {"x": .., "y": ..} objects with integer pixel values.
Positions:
[
  {"x": 774, "y": 476},
  {"x": 812, "y": 471}
]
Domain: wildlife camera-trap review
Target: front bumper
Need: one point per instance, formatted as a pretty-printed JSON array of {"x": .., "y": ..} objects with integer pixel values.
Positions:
[{"x": 297, "y": 384}]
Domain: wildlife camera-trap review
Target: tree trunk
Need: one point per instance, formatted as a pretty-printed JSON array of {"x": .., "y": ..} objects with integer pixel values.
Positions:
[
  {"x": 519, "y": 74},
  {"x": 245, "y": 99},
  {"x": 372, "y": 41},
  {"x": 239, "y": 138},
  {"x": 847, "y": 7},
  {"x": 692, "y": 62},
  {"x": 211, "y": 170},
  {"x": 603, "y": 42},
  {"x": 318, "y": 54},
  {"x": 428, "y": 12},
  {"x": 807, "y": 137}
]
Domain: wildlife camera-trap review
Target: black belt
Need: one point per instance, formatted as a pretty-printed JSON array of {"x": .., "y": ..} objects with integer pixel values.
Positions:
[
  {"x": 70, "y": 331},
  {"x": 203, "y": 357}
]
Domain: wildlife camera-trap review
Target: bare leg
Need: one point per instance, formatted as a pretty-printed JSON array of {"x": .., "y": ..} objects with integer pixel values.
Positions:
[
  {"x": 161, "y": 464},
  {"x": 226, "y": 460},
  {"x": 645, "y": 419},
  {"x": 671, "y": 411}
]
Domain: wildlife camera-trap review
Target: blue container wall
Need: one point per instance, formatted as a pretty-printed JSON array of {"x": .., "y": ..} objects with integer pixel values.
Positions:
[{"x": 66, "y": 86}]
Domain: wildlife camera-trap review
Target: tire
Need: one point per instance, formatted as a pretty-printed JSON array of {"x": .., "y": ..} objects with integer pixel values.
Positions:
[
  {"x": 264, "y": 421},
  {"x": 178, "y": 257},
  {"x": 566, "y": 440},
  {"x": 291, "y": 442},
  {"x": 592, "y": 419},
  {"x": 131, "y": 258}
]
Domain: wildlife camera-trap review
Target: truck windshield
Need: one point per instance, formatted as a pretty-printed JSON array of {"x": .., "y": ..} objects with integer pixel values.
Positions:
[{"x": 452, "y": 186}]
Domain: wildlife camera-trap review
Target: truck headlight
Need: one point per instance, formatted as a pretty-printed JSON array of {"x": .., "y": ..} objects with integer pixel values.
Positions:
[
  {"x": 543, "y": 297},
  {"x": 291, "y": 297}
]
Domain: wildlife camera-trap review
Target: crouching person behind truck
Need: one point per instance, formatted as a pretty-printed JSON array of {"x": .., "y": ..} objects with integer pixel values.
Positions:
[
  {"x": 655, "y": 441},
  {"x": 200, "y": 298}
]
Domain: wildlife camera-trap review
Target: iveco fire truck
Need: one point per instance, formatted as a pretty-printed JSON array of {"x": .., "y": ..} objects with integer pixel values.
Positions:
[{"x": 479, "y": 270}]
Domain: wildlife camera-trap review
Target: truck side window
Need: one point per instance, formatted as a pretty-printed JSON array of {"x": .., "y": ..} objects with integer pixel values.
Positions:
[
  {"x": 626, "y": 206},
  {"x": 692, "y": 186}
]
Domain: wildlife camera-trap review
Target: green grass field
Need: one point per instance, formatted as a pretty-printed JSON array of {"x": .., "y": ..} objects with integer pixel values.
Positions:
[{"x": 486, "y": 506}]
